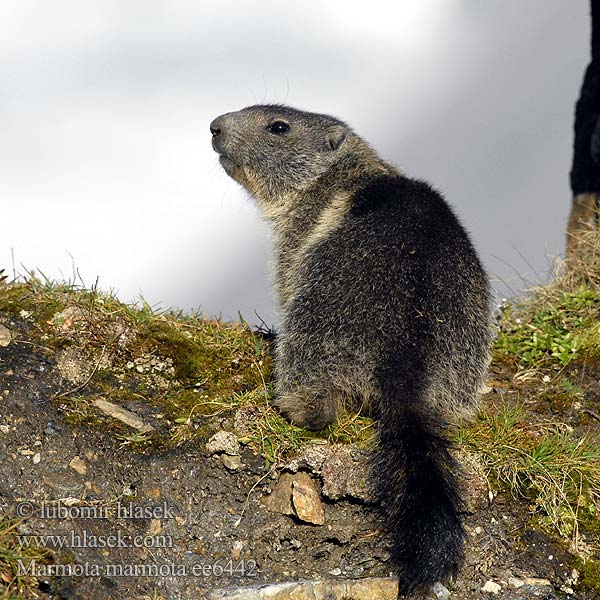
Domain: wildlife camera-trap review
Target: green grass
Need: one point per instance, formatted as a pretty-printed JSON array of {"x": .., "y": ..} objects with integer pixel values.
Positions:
[
  {"x": 197, "y": 373},
  {"x": 552, "y": 329},
  {"x": 551, "y": 341},
  {"x": 12, "y": 585},
  {"x": 556, "y": 470},
  {"x": 195, "y": 370},
  {"x": 277, "y": 440},
  {"x": 559, "y": 323}
]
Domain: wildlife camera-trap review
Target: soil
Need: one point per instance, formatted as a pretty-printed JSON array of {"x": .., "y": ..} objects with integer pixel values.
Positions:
[{"x": 216, "y": 531}]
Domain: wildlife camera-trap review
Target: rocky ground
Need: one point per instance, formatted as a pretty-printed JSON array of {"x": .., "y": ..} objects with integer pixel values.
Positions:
[{"x": 194, "y": 519}]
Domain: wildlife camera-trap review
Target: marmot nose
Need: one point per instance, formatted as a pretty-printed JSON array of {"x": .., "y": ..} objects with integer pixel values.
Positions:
[{"x": 215, "y": 127}]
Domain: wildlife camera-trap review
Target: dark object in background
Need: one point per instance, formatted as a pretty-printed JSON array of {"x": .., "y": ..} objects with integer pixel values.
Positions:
[
  {"x": 595, "y": 145},
  {"x": 585, "y": 172}
]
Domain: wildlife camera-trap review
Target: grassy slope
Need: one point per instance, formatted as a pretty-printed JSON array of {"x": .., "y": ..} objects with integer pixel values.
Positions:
[
  {"x": 537, "y": 436},
  {"x": 541, "y": 439}
]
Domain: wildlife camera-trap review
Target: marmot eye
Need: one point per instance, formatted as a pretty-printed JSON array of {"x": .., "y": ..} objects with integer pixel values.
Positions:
[{"x": 278, "y": 127}]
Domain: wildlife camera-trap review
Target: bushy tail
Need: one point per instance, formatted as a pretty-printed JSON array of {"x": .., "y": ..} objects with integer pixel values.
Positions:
[{"x": 418, "y": 490}]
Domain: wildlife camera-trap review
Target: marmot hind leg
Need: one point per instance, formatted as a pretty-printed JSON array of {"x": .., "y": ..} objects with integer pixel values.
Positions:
[{"x": 312, "y": 405}]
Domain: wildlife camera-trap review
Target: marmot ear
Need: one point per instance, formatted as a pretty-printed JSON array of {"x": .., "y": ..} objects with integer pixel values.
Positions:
[{"x": 335, "y": 137}]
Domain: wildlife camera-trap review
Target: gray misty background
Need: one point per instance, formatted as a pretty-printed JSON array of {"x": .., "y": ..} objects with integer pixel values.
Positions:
[{"x": 105, "y": 157}]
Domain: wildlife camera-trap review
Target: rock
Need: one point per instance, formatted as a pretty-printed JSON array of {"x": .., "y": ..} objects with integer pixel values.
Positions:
[
  {"x": 4, "y": 428},
  {"x": 66, "y": 319},
  {"x": 537, "y": 581},
  {"x": 296, "y": 495},
  {"x": 77, "y": 464},
  {"x": 310, "y": 459},
  {"x": 74, "y": 365},
  {"x": 343, "y": 468},
  {"x": 236, "y": 550},
  {"x": 531, "y": 592},
  {"x": 122, "y": 414},
  {"x": 306, "y": 500},
  {"x": 223, "y": 442},
  {"x": 567, "y": 590},
  {"x": 491, "y": 587},
  {"x": 5, "y": 336},
  {"x": 155, "y": 527},
  {"x": 346, "y": 473},
  {"x": 36, "y": 458},
  {"x": 242, "y": 417},
  {"x": 149, "y": 363},
  {"x": 280, "y": 498},
  {"x": 440, "y": 591},
  {"x": 376, "y": 588},
  {"x": 473, "y": 482},
  {"x": 231, "y": 463},
  {"x": 516, "y": 583}
]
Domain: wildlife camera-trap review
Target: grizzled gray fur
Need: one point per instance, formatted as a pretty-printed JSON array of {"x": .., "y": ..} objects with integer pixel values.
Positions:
[{"x": 384, "y": 305}]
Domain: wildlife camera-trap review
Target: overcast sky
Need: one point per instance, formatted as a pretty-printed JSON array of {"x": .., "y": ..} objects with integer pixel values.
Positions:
[{"x": 105, "y": 156}]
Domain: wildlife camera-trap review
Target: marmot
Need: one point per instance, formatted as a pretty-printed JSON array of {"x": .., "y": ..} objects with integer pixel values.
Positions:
[{"x": 384, "y": 302}]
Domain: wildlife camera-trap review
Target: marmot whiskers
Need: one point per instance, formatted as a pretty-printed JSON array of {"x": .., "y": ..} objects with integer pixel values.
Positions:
[{"x": 383, "y": 302}]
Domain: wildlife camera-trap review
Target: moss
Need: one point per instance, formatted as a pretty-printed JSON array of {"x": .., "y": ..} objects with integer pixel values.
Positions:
[
  {"x": 589, "y": 574},
  {"x": 189, "y": 358},
  {"x": 24, "y": 301},
  {"x": 78, "y": 411}
]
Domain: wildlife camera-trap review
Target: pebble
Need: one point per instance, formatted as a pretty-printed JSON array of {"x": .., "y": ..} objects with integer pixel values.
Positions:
[
  {"x": 37, "y": 457},
  {"x": 231, "y": 463},
  {"x": 491, "y": 587},
  {"x": 516, "y": 583},
  {"x": 77, "y": 464},
  {"x": 5, "y": 336},
  {"x": 236, "y": 550},
  {"x": 441, "y": 591}
]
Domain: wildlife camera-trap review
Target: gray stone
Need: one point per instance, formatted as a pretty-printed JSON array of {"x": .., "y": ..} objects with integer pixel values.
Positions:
[
  {"x": 310, "y": 459},
  {"x": 223, "y": 442},
  {"x": 376, "y": 588},
  {"x": 231, "y": 463},
  {"x": 491, "y": 587},
  {"x": 122, "y": 414},
  {"x": 441, "y": 591},
  {"x": 346, "y": 473}
]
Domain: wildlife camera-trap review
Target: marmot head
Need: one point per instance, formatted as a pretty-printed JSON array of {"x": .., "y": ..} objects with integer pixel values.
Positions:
[{"x": 273, "y": 150}]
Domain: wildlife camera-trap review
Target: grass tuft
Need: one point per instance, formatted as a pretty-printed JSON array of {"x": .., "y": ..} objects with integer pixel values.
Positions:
[
  {"x": 12, "y": 585},
  {"x": 557, "y": 471}
]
